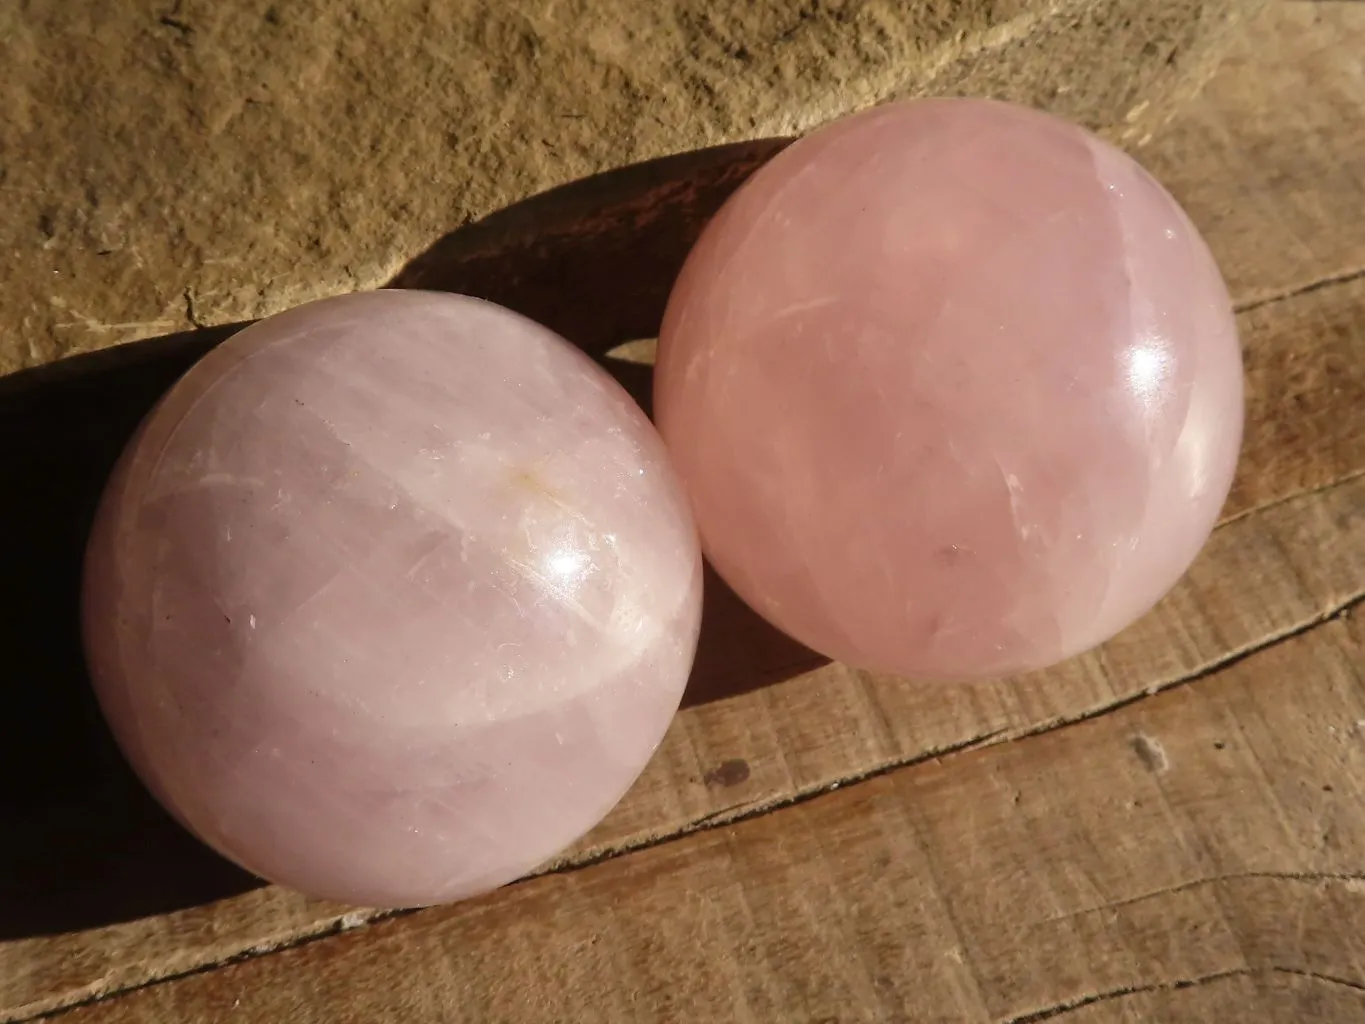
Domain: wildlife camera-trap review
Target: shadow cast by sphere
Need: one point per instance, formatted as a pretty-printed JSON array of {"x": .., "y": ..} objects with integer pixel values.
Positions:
[
  {"x": 84, "y": 844},
  {"x": 596, "y": 259}
]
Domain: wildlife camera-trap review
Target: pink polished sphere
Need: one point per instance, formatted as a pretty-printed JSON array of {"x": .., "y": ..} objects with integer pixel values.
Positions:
[
  {"x": 955, "y": 388},
  {"x": 392, "y": 597}
]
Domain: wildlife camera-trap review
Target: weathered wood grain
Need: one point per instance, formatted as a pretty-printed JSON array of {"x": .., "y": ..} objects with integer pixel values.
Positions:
[
  {"x": 1269, "y": 158},
  {"x": 1207, "y": 835}
]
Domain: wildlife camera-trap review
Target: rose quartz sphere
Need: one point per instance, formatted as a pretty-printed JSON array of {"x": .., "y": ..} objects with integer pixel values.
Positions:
[
  {"x": 392, "y": 597},
  {"x": 955, "y": 388}
]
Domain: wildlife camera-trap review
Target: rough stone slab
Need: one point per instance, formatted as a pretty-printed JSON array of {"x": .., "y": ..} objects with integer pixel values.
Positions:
[{"x": 194, "y": 162}]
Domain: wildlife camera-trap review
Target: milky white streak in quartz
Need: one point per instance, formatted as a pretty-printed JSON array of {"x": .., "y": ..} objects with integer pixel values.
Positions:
[
  {"x": 392, "y": 597},
  {"x": 955, "y": 388}
]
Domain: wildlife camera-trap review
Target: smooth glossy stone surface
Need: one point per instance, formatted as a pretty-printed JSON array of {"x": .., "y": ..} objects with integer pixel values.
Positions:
[
  {"x": 955, "y": 387},
  {"x": 392, "y": 597}
]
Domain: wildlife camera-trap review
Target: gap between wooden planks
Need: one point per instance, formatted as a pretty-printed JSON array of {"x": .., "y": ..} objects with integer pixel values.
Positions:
[{"x": 1272, "y": 169}]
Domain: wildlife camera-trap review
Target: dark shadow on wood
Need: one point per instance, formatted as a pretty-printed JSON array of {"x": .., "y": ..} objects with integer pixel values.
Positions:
[
  {"x": 83, "y": 844},
  {"x": 738, "y": 650}
]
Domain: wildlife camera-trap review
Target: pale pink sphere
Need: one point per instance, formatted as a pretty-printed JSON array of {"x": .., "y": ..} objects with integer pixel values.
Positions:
[
  {"x": 392, "y": 597},
  {"x": 955, "y": 388}
]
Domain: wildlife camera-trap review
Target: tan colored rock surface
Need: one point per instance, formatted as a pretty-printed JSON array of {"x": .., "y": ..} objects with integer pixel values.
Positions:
[{"x": 195, "y": 162}]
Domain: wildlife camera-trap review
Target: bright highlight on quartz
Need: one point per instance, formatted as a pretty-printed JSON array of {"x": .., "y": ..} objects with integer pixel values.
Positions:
[{"x": 392, "y": 597}]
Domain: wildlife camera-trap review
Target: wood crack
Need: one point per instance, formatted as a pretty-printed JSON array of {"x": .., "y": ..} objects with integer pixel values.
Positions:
[
  {"x": 1317, "y": 284},
  {"x": 1318, "y": 976},
  {"x": 1080, "y": 1003},
  {"x": 1217, "y": 665},
  {"x": 1307, "y": 492},
  {"x": 1306, "y": 877},
  {"x": 1109, "y": 995}
]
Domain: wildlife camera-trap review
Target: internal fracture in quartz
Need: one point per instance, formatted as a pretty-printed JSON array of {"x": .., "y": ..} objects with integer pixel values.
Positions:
[
  {"x": 392, "y": 597},
  {"x": 955, "y": 387}
]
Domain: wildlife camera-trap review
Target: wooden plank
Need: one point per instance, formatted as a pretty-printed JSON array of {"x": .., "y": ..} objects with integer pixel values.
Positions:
[
  {"x": 1206, "y": 839},
  {"x": 1267, "y": 574},
  {"x": 1268, "y": 159},
  {"x": 1303, "y": 426}
]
